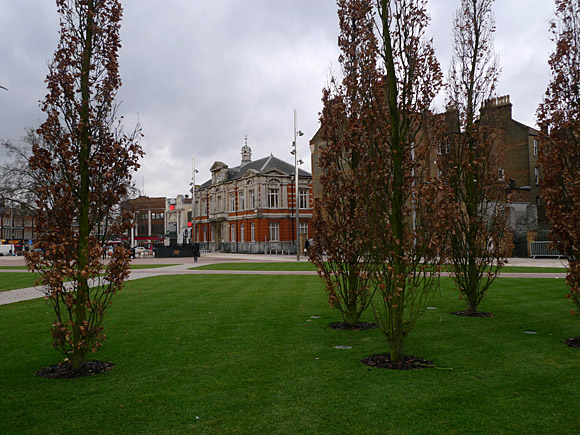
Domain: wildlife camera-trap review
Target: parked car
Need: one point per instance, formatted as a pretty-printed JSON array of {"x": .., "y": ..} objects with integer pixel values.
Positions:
[
  {"x": 137, "y": 251},
  {"x": 7, "y": 250}
]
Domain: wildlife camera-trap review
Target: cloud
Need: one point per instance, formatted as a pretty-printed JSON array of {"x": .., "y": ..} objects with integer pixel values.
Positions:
[{"x": 200, "y": 75}]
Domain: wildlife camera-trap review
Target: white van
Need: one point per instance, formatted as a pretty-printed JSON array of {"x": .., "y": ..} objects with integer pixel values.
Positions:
[{"x": 6, "y": 250}]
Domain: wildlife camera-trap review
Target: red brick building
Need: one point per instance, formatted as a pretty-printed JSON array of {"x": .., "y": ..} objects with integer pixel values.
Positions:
[
  {"x": 252, "y": 207},
  {"x": 519, "y": 167},
  {"x": 149, "y": 224}
]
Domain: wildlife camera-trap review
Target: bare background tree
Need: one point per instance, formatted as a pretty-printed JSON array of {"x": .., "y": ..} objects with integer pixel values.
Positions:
[
  {"x": 17, "y": 184},
  {"x": 471, "y": 158},
  {"x": 559, "y": 120},
  {"x": 87, "y": 162}
]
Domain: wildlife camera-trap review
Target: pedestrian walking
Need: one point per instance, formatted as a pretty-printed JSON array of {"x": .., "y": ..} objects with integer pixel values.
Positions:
[{"x": 195, "y": 252}]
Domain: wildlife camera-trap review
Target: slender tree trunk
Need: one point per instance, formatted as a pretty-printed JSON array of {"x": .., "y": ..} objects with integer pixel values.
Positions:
[
  {"x": 353, "y": 313},
  {"x": 471, "y": 306},
  {"x": 396, "y": 218},
  {"x": 472, "y": 242},
  {"x": 78, "y": 357},
  {"x": 472, "y": 281},
  {"x": 397, "y": 342},
  {"x": 352, "y": 316}
]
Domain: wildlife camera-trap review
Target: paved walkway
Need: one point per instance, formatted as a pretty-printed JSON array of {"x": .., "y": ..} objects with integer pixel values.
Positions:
[{"x": 181, "y": 266}]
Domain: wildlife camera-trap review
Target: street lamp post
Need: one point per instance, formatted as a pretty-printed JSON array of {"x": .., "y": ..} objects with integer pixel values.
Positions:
[
  {"x": 12, "y": 222},
  {"x": 193, "y": 171},
  {"x": 296, "y": 190}
]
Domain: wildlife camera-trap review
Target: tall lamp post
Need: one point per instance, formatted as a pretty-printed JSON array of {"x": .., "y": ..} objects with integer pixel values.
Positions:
[
  {"x": 193, "y": 171},
  {"x": 296, "y": 190}
]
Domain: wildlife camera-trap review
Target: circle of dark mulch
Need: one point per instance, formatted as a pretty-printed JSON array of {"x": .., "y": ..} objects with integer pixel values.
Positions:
[
  {"x": 360, "y": 326},
  {"x": 573, "y": 342},
  {"x": 65, "y": 370},
  {"x": 410, "y": 362},
  {"x": 476, "y": 314}
]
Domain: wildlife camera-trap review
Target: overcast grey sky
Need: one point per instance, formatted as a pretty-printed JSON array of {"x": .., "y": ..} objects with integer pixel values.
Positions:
[{"x": 200, "y": 75}]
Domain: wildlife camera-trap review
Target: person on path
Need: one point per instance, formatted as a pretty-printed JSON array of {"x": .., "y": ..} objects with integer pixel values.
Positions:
[{"x": 195, "y": 252}]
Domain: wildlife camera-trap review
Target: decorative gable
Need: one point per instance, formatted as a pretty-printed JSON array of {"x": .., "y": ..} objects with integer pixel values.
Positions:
[
  {"x": 250, "y": 173},
  {"x": 219, "y": 172},
  {"x": 218, "y": 166},
  {"x": 275, "y": 173}
]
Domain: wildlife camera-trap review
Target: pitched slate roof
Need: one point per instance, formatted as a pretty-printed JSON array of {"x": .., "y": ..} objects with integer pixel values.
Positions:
[{"x": 261, "y": 166}]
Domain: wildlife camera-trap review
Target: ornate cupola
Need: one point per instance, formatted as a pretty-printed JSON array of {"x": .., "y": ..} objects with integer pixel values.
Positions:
[{"x": 246, "y": 153}]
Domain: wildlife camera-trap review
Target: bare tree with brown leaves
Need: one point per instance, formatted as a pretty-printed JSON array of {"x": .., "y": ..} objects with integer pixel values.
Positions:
[
  {"x": 559, "y": 120},
  {"x": 402, "y": 203},
  {"x": 376, "y": 155},
  {"x": 87, "y": 161},
  {"x": 340, "y": 251},
  {"x": 480, "y": 237}
]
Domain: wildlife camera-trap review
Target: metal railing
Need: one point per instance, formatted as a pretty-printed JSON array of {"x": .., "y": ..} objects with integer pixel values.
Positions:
[{"x": 542, "y": 249}]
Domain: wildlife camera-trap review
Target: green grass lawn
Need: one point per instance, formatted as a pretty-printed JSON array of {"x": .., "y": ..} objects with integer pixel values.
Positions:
[
  {"x": 531, "y": 269},
  {"x": 150, "y": 266},
  {"x": 302, "y": 266},
  {"x": 241, "y": 354},
  {"x": 14, "y": 280},
  {"x": 268, "y": 266},
  {"x": 307, "y": 266}
]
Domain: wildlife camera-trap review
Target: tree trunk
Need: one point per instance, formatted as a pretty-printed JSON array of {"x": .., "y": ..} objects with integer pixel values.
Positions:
[
  {"x": 352, "y": 311},
  {"x": 352, "y": 316},
  {"x": 80, "y": 348},
  {"x": 471, "y": 307},
  {"x": 396, "y": 339},
  {"x": 398, "y": 203},
  {"x": 472, "y": 283}
]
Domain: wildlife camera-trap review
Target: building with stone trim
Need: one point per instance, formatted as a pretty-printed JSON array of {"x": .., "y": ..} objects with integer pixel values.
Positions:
[
  {"x": 251, "y": 208},
  {"x": 178, "y": 221}
]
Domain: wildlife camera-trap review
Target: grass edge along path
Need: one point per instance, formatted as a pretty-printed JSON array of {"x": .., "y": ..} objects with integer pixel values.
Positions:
[
  {"x": 307, "y": 266},
  {"x": 244, "y": 354},
  {"x": 150, "y": 266},
  {"x": 16, "y": 280},
  {"x": 24, "y": 279},
  {"x": 133, "y": 266},
  {"x": 282, "y": 266}
]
